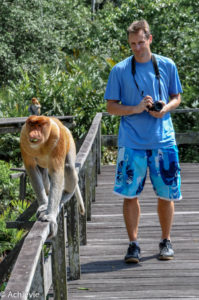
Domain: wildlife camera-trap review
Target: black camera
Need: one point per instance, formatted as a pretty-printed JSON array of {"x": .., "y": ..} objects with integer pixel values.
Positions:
[{"x": 156, "y": 106}]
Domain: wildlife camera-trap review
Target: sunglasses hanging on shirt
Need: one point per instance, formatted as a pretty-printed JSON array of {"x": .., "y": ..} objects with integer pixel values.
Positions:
[{"x": 157, "y": 74}]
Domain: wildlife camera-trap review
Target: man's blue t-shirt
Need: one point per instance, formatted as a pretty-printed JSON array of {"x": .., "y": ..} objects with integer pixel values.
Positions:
[{"x": 142, "y": 131}]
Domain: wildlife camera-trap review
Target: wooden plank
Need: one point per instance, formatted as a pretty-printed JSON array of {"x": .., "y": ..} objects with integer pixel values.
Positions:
[
  {"x": 83, "y": 219},
  {"x": 37, "y": 287},
  {"x": 25, "y": 267},
  {"x": 59, "y": 275},
  {"x": 48, "y": 272},
  {"x": 73, "y": 238},
  {"x": 9, "y": 261},
  {"x": 21, "y": 120},
  {"x": 20, "y": 224},
  {"x": 12, "y": 125},
  {"x": 104, "y": 272},
  {"x": 29, "y": 212},
  {"x": 88, "y": 142}
]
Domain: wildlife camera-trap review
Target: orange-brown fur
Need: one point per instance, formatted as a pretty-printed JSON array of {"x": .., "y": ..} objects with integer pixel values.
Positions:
[
  {"x": 47, "y": 149},
  {"x": 46, "y": 143}
]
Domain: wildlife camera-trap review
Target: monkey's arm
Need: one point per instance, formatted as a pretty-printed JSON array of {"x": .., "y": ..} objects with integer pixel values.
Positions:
[
  {"x": 56, "y": 188},
  {"x": 37, "y": 184},
  {"x": 46, "y": 180}
]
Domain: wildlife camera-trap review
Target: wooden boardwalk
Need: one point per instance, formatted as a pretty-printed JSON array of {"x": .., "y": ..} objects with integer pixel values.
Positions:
[{"x": 105, "y": 276}]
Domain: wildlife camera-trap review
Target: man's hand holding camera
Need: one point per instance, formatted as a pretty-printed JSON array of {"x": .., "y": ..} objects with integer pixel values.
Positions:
[
  {"x": 158, "y": 109},
  {"x": 155, "y": 109},
  {"x": 146, "y": 102}
]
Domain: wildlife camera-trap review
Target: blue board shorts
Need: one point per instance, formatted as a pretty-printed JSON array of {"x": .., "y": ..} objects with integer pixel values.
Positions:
[{"x": 164, "y": 171}]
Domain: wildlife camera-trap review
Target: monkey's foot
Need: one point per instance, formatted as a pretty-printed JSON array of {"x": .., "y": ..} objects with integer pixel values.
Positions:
[
  {"x": 81, "y": 210},
  {"x": 41, "y": 211},
  {"x": 53, "y": 224}
]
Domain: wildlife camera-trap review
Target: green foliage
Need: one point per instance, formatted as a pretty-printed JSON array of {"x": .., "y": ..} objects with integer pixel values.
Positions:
[
  {"x": 77, "y": 91},
  {"x": 10, "y": 208},
  {"x": 34, "y": 32},
  {"x": 9, "y": 189},
  {"x": 9, "y": 237},
  {"x": 109, "y": 155},
  {"x": 3, "y": 286},
  {"x": 189, "y": 153},
  {"x": 55, "y": 51},
  {"x": 9, "y": 148}
]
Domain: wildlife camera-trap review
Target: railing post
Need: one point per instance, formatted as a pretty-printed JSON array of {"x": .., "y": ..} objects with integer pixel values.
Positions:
[
  {"x": 22, "y": 189},
  {"x": 88, "y": 186},
  {"x": 37, "y": 289},
  {"x": 99, "y": 147},
  {"x": 94, "y": 172},
  {"x": 95, "y": 160},
  {"x": 83, "y": 219},
  {"x": 59, "y": 270},
  {"x": 73, "y": 238}
]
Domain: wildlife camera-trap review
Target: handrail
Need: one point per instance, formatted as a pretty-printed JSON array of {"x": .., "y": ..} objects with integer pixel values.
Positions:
[
  {"x": 175, "y": 111},
  {"x": 29, "y": 273},
  {"x": 88, "y": 142},
  {"x": 22, "y": 275},
  {"x": 190, "y": 137},
  {"x": 11, "y": 125},
  {"x": 20, "y": 120}
]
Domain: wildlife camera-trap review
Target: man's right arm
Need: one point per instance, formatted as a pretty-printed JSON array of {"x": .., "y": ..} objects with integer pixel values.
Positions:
[{"x": 117, "y": 109}]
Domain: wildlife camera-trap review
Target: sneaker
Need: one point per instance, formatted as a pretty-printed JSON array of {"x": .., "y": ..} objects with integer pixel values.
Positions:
[
  {"x": 166, "y": 251},
  {"x": 133, "y": 254}
]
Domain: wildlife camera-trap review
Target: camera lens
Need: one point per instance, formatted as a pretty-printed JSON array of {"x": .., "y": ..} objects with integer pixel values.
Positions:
[{"x": 158, "y": 106}]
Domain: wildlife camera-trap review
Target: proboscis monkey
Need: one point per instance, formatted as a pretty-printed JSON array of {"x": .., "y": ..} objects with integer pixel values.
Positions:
[
  {"x": 35, "y": 107},
  {"x": 48, "y": 151}
]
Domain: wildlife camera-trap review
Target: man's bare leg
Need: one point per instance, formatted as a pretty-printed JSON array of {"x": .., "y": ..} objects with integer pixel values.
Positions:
[
  {"x": 165, "y": 213},
  {"x": 131, "y": 212}
]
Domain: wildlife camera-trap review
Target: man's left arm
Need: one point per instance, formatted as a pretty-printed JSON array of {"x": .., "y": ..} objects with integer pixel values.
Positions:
[{"x": 174, "y": 102}]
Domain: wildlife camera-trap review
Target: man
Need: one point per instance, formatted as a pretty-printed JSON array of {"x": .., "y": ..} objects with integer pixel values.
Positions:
[{"x": 146, "y": 136}]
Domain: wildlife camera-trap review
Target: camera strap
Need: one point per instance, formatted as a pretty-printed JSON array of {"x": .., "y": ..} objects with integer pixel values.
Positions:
[{"x": 156, "y": 70}]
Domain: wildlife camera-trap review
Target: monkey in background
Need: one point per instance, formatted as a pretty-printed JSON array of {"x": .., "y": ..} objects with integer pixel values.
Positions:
[
  {"x": 35, "y": 107},
  {"x": 49, "y": 153}
]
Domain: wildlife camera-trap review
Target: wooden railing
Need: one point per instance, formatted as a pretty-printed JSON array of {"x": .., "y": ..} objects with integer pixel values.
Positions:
[
  {"x": 34, "y": 271},
  {"x": 191, "y": 137},
  {"x": 12, "y": 125}
]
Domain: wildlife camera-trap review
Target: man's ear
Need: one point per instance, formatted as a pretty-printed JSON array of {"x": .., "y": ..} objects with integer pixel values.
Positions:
[{"x": 150, "y": 39}]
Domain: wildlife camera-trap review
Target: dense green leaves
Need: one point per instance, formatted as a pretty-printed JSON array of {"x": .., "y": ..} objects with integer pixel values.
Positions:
[
  {"x": 56, "y": 51},
  {"x": 35, "y": 32}
]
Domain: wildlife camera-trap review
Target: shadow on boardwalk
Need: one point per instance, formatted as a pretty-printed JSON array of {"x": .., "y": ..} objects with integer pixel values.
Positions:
[{"x": 104, "y": 273}]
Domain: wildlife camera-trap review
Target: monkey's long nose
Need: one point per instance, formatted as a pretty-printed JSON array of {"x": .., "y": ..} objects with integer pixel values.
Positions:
[{"x": 34, "y": 136}]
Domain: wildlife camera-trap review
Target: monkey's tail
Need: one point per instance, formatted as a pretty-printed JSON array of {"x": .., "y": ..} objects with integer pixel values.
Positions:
[{"x": 79, "y": 199}]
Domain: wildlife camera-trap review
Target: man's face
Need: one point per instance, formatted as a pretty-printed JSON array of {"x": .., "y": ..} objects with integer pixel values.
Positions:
[{"x": 140, "y": 45}]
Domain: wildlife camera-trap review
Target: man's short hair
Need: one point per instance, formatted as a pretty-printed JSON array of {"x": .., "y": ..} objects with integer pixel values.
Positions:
[{"x": 136, "y": 26}]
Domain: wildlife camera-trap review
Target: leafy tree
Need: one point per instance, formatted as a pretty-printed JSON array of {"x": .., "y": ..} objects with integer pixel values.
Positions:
[
  {"x": 34, "y": 32},
  {"x": 56, "y": 51}
]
